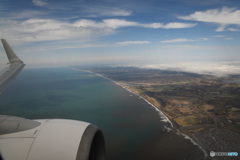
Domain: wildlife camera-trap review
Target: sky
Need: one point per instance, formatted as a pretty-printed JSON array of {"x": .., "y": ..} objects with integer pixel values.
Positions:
[{"x": 196, "y": 36}]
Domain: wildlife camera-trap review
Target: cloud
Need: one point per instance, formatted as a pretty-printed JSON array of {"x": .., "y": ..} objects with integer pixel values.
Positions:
[
  {"x": 221, "y": 28},
  {"x": 229, "y": 38},
  {"x": 39, "y": 2},
  {"x": 223, "y": 37},
  {"x": 173, "y": 25},
  {"x": 99, "y": 11},
  {"x": 204, "y": 39},
  {"x": 218, "y": 36},
  {"x": 33, "y": 30},
  {"x": 177, "y": 40},
  {"x": 37, "y": 29},
  {"x": 133, "y": 42},
  {"x": 118, "y": 23},
  {"x": 233, "y": 29},
  {"x": 209, "y": 68},
  {"x": 222, "y": 17}
]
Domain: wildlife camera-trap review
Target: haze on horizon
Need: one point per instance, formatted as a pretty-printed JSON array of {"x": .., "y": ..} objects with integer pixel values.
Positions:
[{"x": 196, "y": 36}]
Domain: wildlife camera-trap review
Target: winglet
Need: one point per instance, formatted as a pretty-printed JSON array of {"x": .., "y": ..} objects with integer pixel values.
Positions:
[
  {"x": 12, "y": 57},
  {"x": 16, "y": 65}
]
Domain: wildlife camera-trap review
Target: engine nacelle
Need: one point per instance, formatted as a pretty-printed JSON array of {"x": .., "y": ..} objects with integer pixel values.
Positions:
[{"x": 50, "y": 139}]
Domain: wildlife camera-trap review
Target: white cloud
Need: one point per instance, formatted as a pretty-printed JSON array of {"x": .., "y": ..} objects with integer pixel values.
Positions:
[
  {"x": 221, "y": 28},
  {"x": 39, "y": 2},
  {"x": 97, "y": 11},
  {"x": 223, "y": 17},
  {"x": 117, "y": 12},
  {"x": 132, "y": 42},
  {"x": 50, "y": 29},
  {"x": 179, "y": 25},
  {"x": 229, "y": 38},
  {"x": 117, "y": 23},
  {"x": 177, "y": 40},
  {"x": 173, "y": 25},
  {"x": 209, "y": 68},
  {"x": 222, "y": 36},
  {"x": 233, "y": 29},
  {"x": 204, "y": 39}
]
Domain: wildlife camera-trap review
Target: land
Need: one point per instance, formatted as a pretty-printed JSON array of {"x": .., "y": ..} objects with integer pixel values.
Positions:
[{"x": 204, "y": 107}]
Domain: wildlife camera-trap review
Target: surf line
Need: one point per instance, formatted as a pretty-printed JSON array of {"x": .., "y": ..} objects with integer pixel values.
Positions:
[
  {"x": 162, "y": 115},
  {"x": 195, "y": 143},
  {"x": 166, "y": 119}
]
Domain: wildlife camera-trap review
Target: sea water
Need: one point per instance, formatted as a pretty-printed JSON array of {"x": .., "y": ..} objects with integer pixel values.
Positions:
[{"x": 133, "y": 128}]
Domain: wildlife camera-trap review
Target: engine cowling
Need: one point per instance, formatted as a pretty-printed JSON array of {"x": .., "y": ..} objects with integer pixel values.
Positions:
[{"x": 50, "y": 139}]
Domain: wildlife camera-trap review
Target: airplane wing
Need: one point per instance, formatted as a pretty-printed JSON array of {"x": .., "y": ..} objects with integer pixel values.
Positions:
[
  {"x": 16, "y": 65},
  {"x": 45, "y": 139}
]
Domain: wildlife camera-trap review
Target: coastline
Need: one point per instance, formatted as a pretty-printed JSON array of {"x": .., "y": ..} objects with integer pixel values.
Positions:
[{"x": 164, "y": 116}]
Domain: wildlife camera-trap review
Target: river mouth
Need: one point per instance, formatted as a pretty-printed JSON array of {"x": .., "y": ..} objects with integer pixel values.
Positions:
[{"x": 132, "y": 128}]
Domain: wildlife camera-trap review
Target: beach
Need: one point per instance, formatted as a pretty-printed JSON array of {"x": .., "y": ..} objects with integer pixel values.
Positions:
[{"x": 156, "y": 105}]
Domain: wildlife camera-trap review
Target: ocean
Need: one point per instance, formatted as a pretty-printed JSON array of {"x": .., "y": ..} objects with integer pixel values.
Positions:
[{"x": 133, "y": 128}]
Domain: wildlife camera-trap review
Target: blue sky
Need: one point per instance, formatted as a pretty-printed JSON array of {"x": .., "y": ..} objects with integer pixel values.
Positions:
[{"x": 199, "y": 36}]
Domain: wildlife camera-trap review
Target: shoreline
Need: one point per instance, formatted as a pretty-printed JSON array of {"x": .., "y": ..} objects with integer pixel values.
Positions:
[
  {"x": 162, "y": 114},
  {"x": 165, "y": 118}
]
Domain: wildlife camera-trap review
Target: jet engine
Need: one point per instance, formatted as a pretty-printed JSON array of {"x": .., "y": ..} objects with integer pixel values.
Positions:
[{"x": 49, "y": 139}]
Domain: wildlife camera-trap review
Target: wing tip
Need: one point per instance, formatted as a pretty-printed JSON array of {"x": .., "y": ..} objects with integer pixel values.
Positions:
[{"x": 12, "y": 57}]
